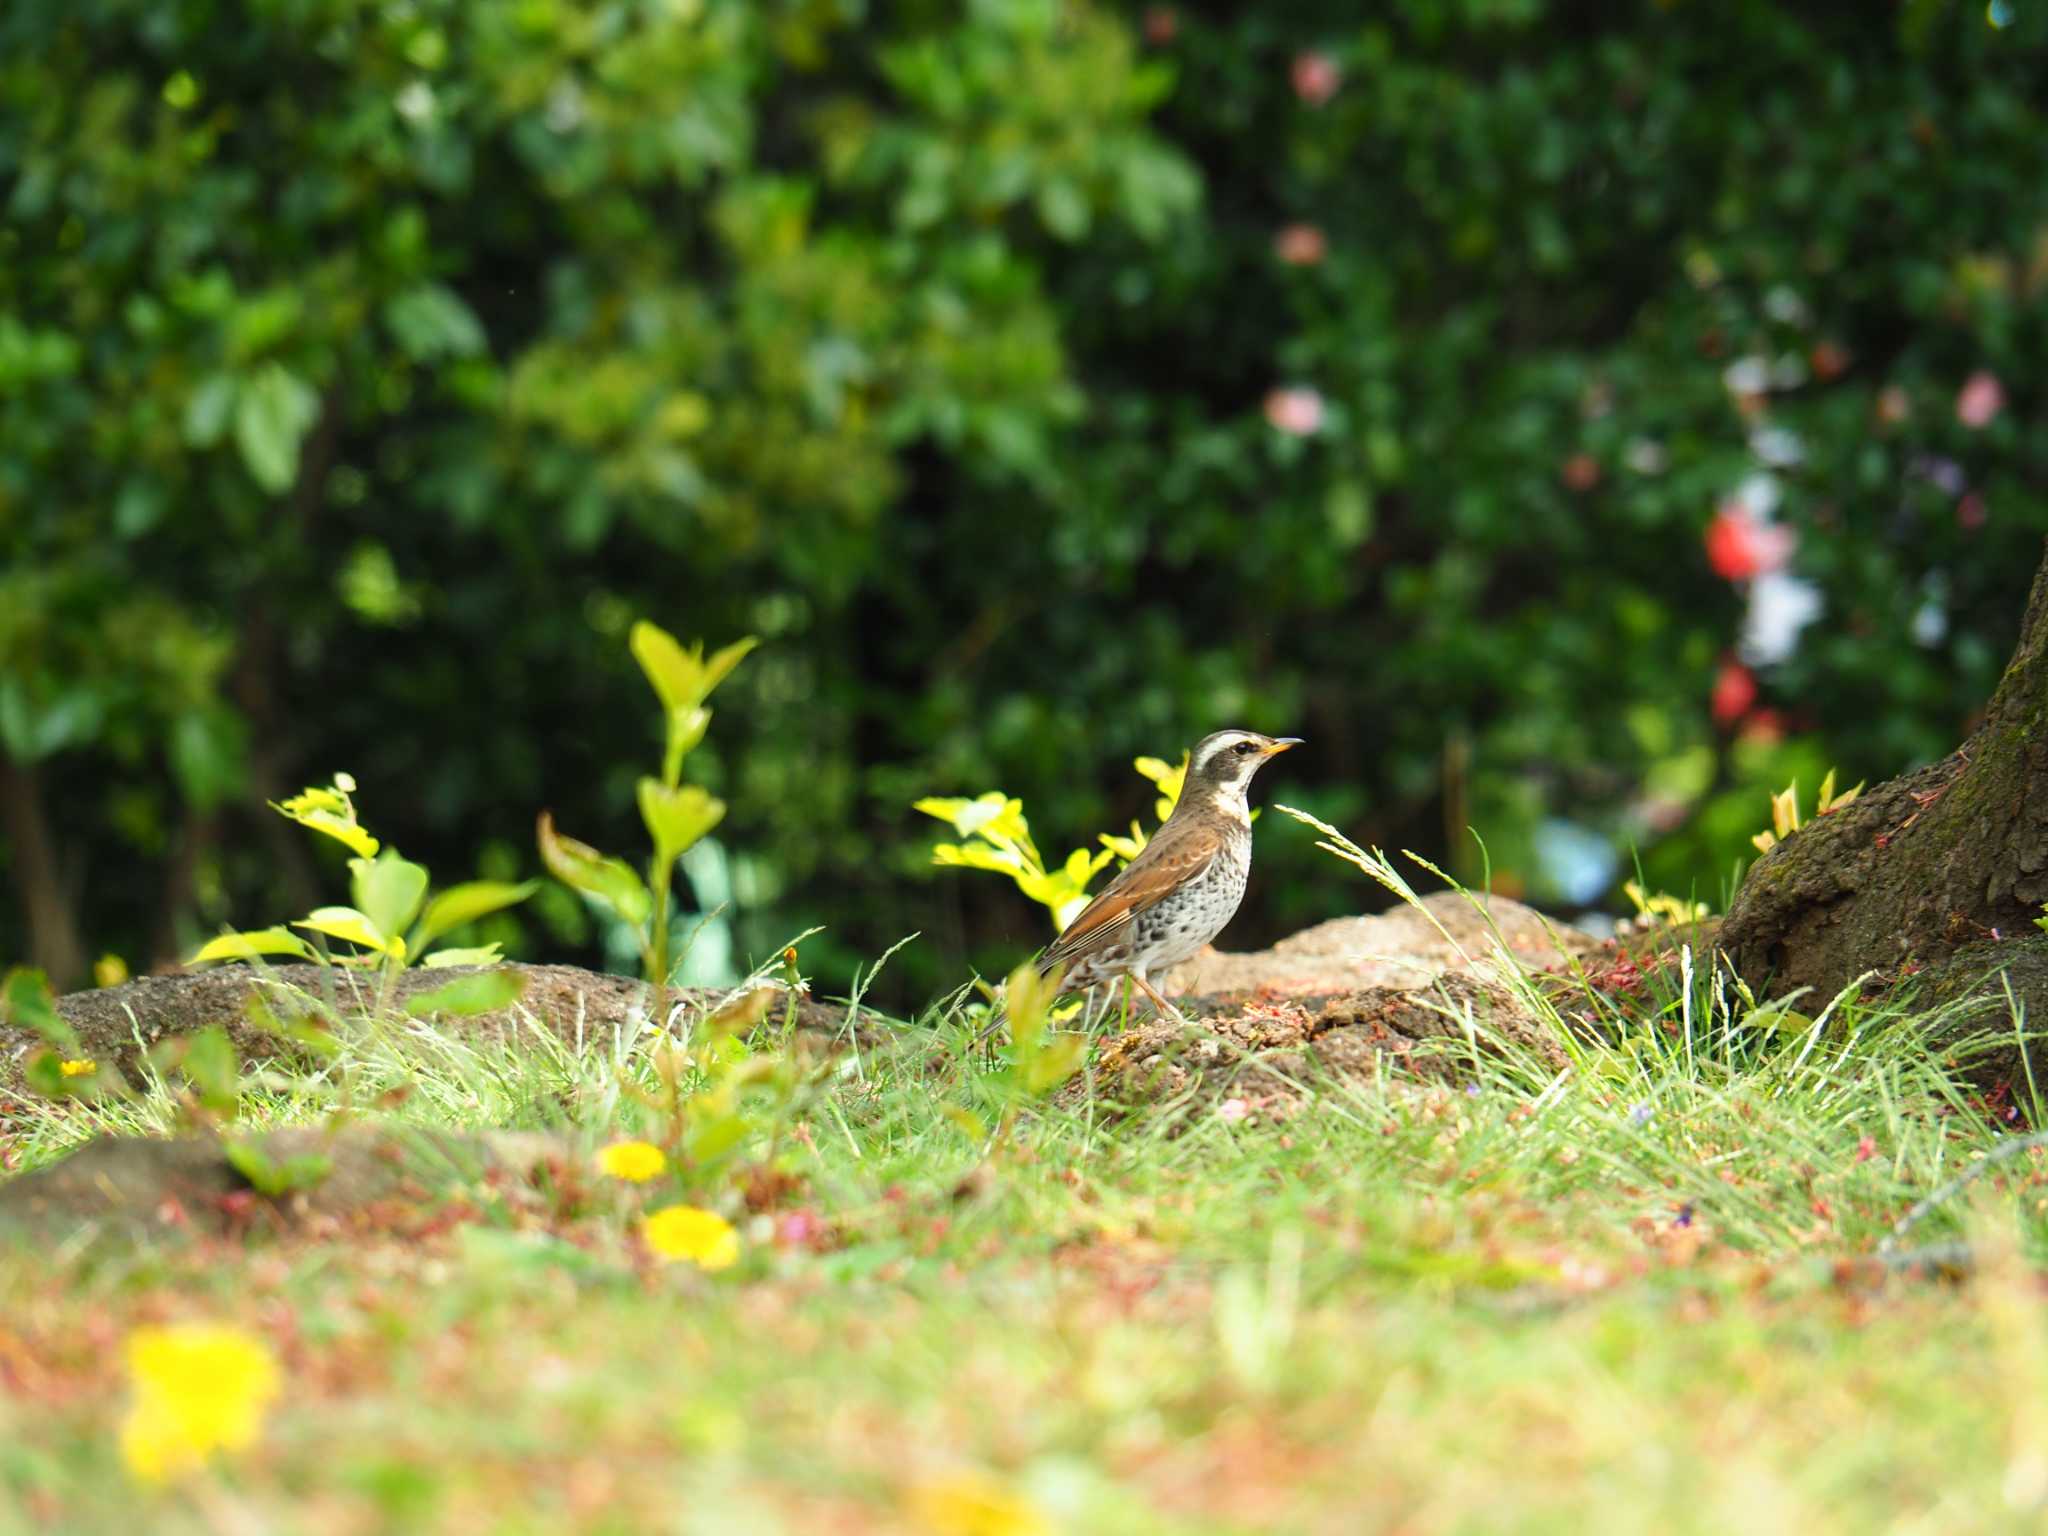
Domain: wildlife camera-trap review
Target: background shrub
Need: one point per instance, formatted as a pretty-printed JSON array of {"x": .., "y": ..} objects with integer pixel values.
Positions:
[{"x": 1469, "y": 390}]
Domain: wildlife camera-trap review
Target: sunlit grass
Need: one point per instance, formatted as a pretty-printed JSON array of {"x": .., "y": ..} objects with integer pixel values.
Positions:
[{"x": 1639, "y": 1292}]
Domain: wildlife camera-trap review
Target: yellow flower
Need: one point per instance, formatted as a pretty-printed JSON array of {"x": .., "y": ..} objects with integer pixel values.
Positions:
[
  {"x": 78, "y": 1068},
  {"x": 974, "y": 1504},
  {"x": 198, "y": 1388},
  {"x": 638, "y": 1161},
  {"x": 703, "y": 1238}
]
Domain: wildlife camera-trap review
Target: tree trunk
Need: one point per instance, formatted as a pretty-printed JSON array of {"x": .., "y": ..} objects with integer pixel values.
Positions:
[
  {"x": 1950, "y": 858},
  {"x": 54, "y": 943}
]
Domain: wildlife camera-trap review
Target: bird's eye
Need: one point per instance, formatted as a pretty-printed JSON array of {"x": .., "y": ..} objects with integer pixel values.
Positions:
[{"x": 1246, "y": 746}]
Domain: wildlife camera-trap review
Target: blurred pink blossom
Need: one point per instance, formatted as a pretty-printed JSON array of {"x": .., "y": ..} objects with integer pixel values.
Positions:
[
  {"x": 1971, "y": 513},
  {"x": 1982, "y": 397},
  {"x": 1232, "y": 1110},
  {"x": 1316, "y": 77},
  {"x": 798, "y": 1229},
  {"x": 1301, "y": 245},
  {"x": 1296, "y": 410}
]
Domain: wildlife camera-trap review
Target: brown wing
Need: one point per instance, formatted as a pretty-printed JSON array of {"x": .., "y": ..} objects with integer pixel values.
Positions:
[{"x": 1178, "y": 853}]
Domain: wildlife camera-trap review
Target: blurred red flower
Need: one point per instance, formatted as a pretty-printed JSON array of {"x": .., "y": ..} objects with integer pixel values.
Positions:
[
  {"x": 1734, "y": 692},
  {"x": 1739, "y": 547},
  {"x": 1162, "y": 25}
]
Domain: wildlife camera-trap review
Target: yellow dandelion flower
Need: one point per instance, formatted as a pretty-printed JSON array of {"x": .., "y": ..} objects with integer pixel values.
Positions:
[
  {"x": 974, "y": 1504},
  {"x": 637, "y": 1161},
  {"x": 686, "y": 1232},
  {"x": 78, "y": 1068},
  {"x": 198, "y": 1388}
]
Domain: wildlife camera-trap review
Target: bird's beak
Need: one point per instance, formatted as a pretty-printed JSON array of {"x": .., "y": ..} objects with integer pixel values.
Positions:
[{"x": 1280, "y": 744}]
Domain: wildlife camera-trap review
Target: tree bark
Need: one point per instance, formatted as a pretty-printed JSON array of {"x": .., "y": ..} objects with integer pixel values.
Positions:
[
  {"x": 1949, "y": 858},
  {"x": 54, "y": 943}
]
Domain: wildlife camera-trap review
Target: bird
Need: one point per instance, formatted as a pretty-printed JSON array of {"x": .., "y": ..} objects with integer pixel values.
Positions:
[{"x": 1186, "y": 883}]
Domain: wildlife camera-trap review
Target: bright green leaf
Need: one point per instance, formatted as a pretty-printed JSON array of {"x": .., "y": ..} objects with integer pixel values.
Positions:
[
  {"x": 30, "y": 1005},
  {"x": 273, "y": 412},
  {"x": 677, "y": 818},
  {"x": 276, "y": 1177},
  {"x": 354, "y": 927},
  {"x": 208, "y": 1062},
  {"x": 465, "y": 996},
  {"x": 247, "y": 946},
  {"x": 722, "y": 661},
  {"x": 686, "y": 728},
  {"x": 482, "y": 954},
  {"x": 673, "y": 671},
  {"x": 461, "y": 904},
  {"x": 716, "y": 1135},
  {"x": 610, "y": 882},
  {"x": 388, "y": 890},
  {"x": 207, "y": 409},
  {"x": 330, "y": 812},
  {"x": 431, "y": 321},
  {"x": 1055, "y": 1060},
  {"x": 682, "y": 678}
]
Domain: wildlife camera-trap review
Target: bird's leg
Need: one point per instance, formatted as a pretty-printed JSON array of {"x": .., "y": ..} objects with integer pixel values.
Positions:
[{"x": 1165, "y": 1008}]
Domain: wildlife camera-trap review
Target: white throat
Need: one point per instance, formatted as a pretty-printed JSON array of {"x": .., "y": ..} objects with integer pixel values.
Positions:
[{"x": 1230, "y": 800}]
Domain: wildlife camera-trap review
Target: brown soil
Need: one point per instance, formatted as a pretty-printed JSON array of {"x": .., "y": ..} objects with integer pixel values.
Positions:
[{"x": 131, "y": 1187}]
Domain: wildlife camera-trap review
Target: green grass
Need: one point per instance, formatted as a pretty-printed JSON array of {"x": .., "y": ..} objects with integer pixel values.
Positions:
[{"x": 1643, "y": 1293}]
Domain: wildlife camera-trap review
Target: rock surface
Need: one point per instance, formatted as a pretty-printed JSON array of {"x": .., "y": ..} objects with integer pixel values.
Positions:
[
  {"x": 1406, "y": 947},
  {"x": 1269, "y": 1059},
  {"x": 1412, "y": 992}
]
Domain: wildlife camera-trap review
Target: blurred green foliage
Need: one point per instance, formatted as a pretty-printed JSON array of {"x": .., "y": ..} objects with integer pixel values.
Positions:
[{"x": 1044, "y": 383}]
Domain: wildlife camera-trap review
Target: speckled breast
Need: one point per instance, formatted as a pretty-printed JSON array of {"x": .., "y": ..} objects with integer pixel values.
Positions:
[{"x": 1176, "y": 927}]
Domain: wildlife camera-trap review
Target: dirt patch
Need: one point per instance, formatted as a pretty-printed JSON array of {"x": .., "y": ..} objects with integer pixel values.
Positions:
[
  {"x": 578, "y": 1005},
  {"x": 135, "y": 1187},
  {"x": 1270, "y": 1057},
  {"x": 1403, "y": 948}
]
